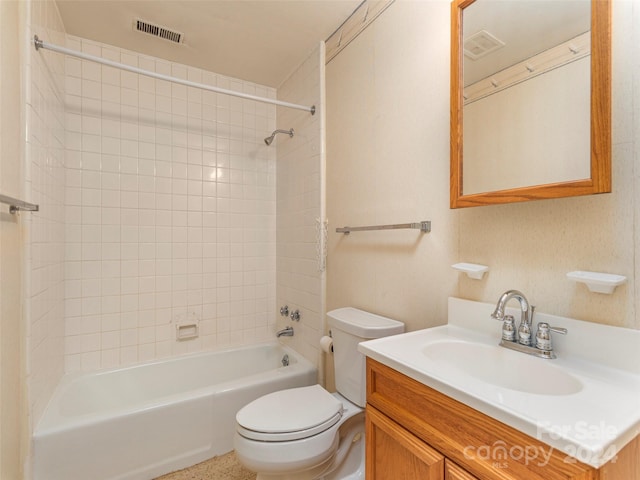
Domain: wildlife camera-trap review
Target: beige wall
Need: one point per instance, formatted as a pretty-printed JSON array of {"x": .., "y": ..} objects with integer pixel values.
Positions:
[
  {"x": 533, "y": 246},
  {"x": 388, "y": 162},
  {"x": 12, "y": 411},
  {"x": 490, "y": 148}
]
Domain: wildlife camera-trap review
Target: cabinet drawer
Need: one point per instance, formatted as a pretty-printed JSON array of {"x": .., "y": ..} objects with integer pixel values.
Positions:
[{"x": 479, "y": 444}]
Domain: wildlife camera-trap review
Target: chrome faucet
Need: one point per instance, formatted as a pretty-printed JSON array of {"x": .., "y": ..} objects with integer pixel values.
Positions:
[
  {"x": 526, "y": 318},
  {"x": 285, "y": 332},
  {"x": 524, "y": 342}
]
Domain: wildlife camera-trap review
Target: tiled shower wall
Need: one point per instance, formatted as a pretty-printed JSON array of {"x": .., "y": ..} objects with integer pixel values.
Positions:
[
  {"x": 170, "y": 211},
  {"x": 44, "y": 184},
  {"x": 300, "y": 273}
]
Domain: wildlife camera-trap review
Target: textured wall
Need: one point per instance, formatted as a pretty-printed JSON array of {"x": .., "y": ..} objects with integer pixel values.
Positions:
[
  {"x": 388, "y": 162},
  {"x": 533, "y": 246},
  {"x": 497, "y": 156}
]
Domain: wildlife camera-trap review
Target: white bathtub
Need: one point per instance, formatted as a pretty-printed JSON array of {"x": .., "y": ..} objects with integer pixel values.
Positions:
[{"x": 143, "y": 421}]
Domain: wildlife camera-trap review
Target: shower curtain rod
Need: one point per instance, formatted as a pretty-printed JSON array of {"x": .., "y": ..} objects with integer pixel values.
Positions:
[{"x": 48, "y": 46}]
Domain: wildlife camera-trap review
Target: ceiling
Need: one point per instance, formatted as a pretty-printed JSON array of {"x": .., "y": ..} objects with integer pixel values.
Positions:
[
  {"x": 527, "y": 27},
  {"x": 261, "y": 41}
]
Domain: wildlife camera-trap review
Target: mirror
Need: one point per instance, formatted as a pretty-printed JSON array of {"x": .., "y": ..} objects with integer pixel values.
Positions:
[{"x": 530, "y": 100}]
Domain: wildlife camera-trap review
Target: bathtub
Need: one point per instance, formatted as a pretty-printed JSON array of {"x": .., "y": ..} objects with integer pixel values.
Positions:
[{"x": 146, "y": 420}]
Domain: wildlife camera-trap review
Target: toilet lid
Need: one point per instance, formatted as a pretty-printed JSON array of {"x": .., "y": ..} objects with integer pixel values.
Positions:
[{"x": 289, "y": 414}]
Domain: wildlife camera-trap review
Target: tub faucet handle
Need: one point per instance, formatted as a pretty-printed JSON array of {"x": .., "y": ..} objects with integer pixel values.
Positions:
[
  {"x": 295, "y": 315},
  {"x": 284, "y": 311}
]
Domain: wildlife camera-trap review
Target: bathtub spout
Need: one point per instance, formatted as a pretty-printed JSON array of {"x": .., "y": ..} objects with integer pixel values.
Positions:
[{"x": 286, "y": 332}]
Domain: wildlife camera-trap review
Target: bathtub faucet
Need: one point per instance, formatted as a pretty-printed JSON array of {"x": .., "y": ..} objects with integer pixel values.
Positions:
[{"x": 287, "y": 332}]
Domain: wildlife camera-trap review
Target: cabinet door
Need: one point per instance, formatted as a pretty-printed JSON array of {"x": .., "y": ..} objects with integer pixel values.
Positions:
[
  {"x": 454, "y": 472},
  {"x": 393, "y": 453}
]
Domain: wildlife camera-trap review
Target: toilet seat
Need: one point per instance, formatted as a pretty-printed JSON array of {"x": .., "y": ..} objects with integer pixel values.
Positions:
[{"x": 291, "y": 414}]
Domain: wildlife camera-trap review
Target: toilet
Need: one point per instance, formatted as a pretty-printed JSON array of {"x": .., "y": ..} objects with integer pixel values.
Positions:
[{"x": 308, "y": 433}]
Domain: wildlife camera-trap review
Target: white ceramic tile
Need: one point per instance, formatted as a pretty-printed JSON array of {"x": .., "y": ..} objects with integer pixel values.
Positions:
[
  {"x": 144, "y": 210},
  {"x": 45, "y": 179},
  {"x": 109, "y": 358}
]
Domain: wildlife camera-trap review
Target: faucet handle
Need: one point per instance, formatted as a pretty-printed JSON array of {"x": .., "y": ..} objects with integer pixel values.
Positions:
[
  {"x": 509, "y": 329},
  {"x": 546, "y": 326},
  {"x": 560, "y": 330},
  {"x": 543, "y": 335}
]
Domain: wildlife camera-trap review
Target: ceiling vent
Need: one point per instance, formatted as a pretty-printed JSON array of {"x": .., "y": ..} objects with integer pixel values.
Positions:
[
  {"x": 480, "y": 44},
  {"x": 158, "y": 31}
]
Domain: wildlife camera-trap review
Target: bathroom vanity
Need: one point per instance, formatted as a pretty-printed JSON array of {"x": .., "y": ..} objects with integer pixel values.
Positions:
[
  {"x": 449, "y": 403},
  {"x": 415, "y": 432}
]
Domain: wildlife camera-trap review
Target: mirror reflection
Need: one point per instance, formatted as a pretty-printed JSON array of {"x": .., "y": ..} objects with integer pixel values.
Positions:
[{"x": 526, "y": 93}]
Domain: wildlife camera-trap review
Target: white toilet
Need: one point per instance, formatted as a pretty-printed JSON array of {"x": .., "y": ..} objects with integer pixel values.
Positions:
[{"x": 308, "y": 433}]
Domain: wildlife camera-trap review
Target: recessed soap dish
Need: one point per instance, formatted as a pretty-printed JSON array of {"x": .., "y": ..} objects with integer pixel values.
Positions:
[
  {"x": 598, "y": 282},
  {"x": 472, "y": 270}
]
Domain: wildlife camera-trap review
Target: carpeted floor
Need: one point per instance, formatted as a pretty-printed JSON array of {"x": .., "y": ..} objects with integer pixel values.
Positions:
[{"x": 224, "y": 467}]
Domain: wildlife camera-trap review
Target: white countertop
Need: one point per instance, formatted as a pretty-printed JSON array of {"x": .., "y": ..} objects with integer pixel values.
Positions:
[{"x": 590, "y": 424}]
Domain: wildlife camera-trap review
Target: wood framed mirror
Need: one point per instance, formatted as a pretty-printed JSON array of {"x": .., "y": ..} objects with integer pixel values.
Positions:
[{"x": 509, "y": 142}]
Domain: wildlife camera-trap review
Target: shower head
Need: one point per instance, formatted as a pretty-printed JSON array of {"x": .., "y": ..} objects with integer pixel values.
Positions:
[{"x": 269, "y": 139}]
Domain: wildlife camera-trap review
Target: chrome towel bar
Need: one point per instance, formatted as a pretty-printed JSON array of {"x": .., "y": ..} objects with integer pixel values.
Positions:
[
  {"x": 16, "y": 205},
  {"x": 424, "y": 227}
]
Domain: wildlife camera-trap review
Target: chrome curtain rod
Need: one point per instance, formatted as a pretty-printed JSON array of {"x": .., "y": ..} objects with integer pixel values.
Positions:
[
  {"x": 424, "y": 227},
  {"x": 16, "y": 205},
  {"x": 55, "y": 48}
]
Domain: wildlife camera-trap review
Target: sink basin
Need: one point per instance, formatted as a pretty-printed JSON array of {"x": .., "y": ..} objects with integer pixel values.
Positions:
[
  {"x": 585, "y": 400},
  {"x": 501, "y": 367}
]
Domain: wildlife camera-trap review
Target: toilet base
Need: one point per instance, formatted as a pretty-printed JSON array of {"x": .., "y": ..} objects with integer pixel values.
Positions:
[
  {"x": 347, "y": 462},
  {"x": 351, "y": 467},
  {"x": 339, "y": 452}
]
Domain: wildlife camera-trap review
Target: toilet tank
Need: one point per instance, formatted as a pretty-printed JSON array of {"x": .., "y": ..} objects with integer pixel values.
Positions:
[{"x": 350, "y": 326}]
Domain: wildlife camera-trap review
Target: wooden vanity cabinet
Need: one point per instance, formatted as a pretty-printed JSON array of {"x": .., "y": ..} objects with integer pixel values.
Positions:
[
  {"x": 415, "y": 432},
  {"x": 454, "y": 472},
  {"x": 399, "y": 455},
  {"x": 393, "y": 453}
]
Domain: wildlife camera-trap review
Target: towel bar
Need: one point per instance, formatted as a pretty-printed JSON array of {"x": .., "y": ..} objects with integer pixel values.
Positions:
[
  {"x": 424, "y": 227},
  {"x": 16, "y": 205}
]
